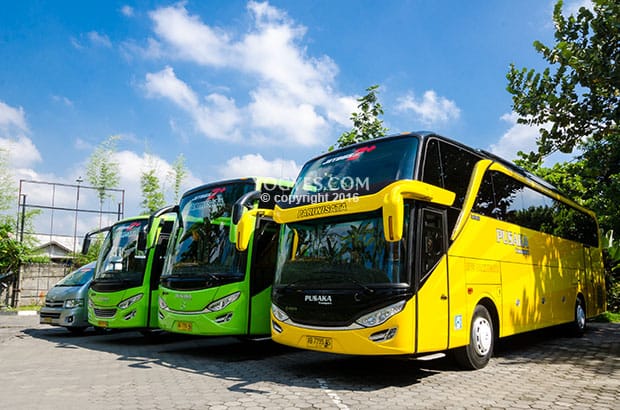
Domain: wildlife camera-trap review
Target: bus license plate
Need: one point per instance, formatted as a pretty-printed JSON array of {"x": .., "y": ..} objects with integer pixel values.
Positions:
[
  {"x": 102, "y": 323},
  {"x": 184, "y": 326},
  {"x": 319, "y": 342}
]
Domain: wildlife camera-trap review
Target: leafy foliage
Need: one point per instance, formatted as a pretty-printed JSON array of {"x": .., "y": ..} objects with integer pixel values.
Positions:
[
  {"x": 179, "y": 173},
  {"x": 612, "y": 262},
  {"x": 366, "y": 122},
  {"x": 577, "y": 106},
  {"x": 102, "y": 171},
  {"x": 12, "y": 252},
  {"x": 581, "y": 97},
  {"x": 153, "y": 197}
]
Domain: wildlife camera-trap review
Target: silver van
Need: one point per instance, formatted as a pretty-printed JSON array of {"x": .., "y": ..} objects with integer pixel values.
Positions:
[{"x": 66, "y": 302}]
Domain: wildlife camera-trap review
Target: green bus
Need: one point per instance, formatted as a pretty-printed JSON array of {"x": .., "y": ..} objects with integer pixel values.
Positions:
[
  {"x": 123, "y": 293},
  {"x": 208, "y": 286}
]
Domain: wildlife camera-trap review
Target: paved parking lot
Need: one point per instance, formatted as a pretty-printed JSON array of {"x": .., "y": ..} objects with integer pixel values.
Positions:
[{"x": 43, "y": 367}]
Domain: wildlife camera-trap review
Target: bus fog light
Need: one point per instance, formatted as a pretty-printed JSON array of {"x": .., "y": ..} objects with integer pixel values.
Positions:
[
  {"x": 383, "y": 335},
  {"x": 161, "y": 315},
  {"x": 279, "y": 313},
  {"x": 380, "y": 316},
  {"x": 130, "y": 315},
  {"x": 223, "y": 302},
  {"x": 224, "y": 318},
  {"x": 276, "y": 327}
]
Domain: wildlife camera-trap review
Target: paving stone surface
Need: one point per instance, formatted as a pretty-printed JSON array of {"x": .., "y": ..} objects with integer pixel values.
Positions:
[{"x": 43, "y": 367}]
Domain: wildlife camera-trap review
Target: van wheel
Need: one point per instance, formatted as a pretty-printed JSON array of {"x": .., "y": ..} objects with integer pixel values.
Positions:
[{"x": 478, "y": 352}]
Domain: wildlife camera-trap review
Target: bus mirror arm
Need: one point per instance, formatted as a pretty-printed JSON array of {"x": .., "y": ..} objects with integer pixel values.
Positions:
[
  {"x": 394, "y": 204},
  {"x": 88, "y": 240},
  {"x": 244, "y": 202}
]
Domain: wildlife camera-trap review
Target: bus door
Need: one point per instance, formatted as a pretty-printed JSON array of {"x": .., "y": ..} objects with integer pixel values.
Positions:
[
  {"x": 592, "y": 281},
  {"x": 431, "y": 281},
  {"x": 157, "y": 265},
  {"x": 262, "y": 269}
]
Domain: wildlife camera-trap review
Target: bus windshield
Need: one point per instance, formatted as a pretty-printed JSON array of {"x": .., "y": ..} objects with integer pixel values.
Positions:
[
  {"x": 120, "y": 260},
  {"x": 359, "y": 170},
  {"x": 347, "y": 252},
  {"x": 203, "y": 248}
]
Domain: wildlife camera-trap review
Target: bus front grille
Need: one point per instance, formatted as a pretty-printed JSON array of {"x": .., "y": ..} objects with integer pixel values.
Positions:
[{"x": 107, "y": 313}]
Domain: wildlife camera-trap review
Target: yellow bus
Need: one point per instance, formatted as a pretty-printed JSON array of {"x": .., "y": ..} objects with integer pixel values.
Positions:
[{"x": 414, "y": 243}]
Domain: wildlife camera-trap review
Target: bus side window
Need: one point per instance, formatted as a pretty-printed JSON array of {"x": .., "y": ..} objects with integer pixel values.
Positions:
[{"x": 432, "y": 240}]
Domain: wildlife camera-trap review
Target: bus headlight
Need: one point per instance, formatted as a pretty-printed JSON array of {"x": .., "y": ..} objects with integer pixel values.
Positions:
[
  {"x": 279, "y": 313},
  {"x": 162, "y": 303},
  {"x": 380, "y": 316},
  {"x": 73, "y": 303},
  {"x": 129, "y": 301},
  {"x": 223, "y": 302}
]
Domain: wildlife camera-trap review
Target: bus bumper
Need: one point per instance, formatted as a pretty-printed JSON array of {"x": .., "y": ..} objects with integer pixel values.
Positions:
[
  {"x": 208, "y": 323},
  {"x": 389, "y": 338}
]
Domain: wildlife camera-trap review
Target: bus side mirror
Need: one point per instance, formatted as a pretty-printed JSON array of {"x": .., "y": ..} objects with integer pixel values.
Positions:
[
  {"x": 393, "y": 216},
  {"x": 86, "y": 245},
  {"x": 246, "y": 225},
  {"x": 141, "y": 245}
]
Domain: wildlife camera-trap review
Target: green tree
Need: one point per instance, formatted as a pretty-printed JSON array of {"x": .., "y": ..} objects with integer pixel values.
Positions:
[
  {"x": 576, "y": 104},
  {"x": 102, "y": 170},
  {"x": 577, "y": 97},
  {"x": 366, "y": 122},
  {"x": 179, "y": 172},
  {"x": 8, "y": 193},
  {"x": 152, "y": 195}
]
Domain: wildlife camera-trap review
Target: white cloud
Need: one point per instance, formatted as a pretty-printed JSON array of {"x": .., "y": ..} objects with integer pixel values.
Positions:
[
  {"x": 217, "y": 117},
  {"x": 127, "y": 11},
  {"x": 12, "y": 118},
  {"x": 256, "y": 165},
  {"x": 188, "y": 38},
  {"x": 291, "y": 93},
  {"x": 99, "y": 39},
  {"x": 133, "y": 165},
  {"x": 166, "y": 84},
  {"x": 431, "y": 109},
  {"x": 62, "y": 100},
  {"x": 521, "y": 137},
  {"x": 21, "y": 151}
]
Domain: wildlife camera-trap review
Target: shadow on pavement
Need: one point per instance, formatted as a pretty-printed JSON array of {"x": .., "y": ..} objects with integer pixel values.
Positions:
[{"x": 248, "y": 363}]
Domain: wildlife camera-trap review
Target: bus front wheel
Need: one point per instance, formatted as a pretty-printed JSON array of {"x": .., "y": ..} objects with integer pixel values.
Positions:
[{"x": 478, "y": 352}]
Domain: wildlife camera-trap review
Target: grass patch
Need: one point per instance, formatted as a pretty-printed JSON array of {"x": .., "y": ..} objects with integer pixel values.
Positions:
[{"x": 608, "y": 317}]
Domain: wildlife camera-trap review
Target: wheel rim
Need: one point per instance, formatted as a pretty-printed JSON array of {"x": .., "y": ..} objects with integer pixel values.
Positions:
[
  {"x": 483, "y": 336},
  {"x": 580, "y": 316}
]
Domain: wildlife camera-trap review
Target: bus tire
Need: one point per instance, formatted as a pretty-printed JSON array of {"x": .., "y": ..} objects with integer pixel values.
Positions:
[
  {"x": 578, "y": 326},
  {"x": 478, "y": 352}
]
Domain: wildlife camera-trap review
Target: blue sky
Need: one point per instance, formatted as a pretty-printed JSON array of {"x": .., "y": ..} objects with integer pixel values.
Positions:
[{"x": 244, "y": 88}]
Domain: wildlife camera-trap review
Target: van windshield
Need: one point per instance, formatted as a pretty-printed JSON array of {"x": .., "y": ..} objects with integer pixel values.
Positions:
[{"x": 78, "y": 277}]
